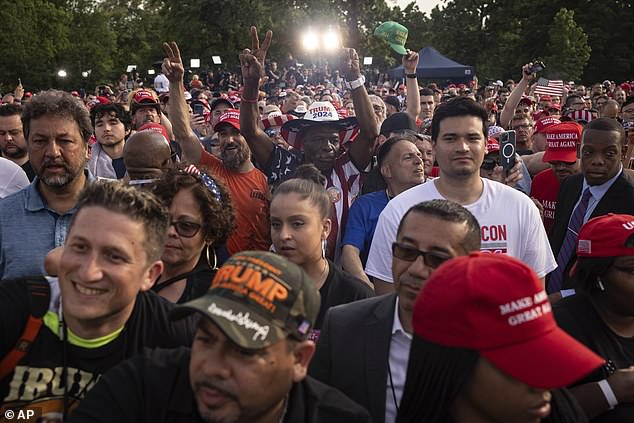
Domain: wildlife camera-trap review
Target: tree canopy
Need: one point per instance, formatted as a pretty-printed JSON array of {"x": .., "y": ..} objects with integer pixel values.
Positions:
[{"x": 583, "y": 40}]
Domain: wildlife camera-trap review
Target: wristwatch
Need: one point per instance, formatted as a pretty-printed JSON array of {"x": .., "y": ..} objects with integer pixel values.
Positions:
[
  {"x": 411, "y": 75},
  {"x": 356, "y": 83}
]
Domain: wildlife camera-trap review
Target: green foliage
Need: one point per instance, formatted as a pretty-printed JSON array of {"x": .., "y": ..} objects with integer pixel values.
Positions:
[
  {"x": 578, "y": 39},
  {"x": 568, "y": 47},
  {"x": 34, "y": 34}
]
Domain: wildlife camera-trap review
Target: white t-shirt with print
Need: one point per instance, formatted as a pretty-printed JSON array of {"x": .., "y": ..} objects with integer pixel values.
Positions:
[{"x": 509, "y": 223}]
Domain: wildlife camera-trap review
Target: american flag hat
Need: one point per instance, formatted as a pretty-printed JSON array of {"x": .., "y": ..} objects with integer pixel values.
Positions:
[{"x": 319, "y": 113}]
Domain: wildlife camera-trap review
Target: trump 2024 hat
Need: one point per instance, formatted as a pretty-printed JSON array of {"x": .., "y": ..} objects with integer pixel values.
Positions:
[
  {"x": 494, "y": 304},
  {"x": 394, "y": 34},
  {"x": 606, "y": 236},
  {"x": 258, "y": 298}
]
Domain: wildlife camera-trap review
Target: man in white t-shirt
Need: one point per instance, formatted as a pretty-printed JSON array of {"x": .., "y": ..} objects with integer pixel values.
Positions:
[{"x": 509, "y": 220}]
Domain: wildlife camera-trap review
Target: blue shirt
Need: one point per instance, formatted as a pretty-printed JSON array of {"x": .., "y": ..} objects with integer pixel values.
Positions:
[
  {"x": 29, "y": 229},
  {"x": 362, "y": 218}
]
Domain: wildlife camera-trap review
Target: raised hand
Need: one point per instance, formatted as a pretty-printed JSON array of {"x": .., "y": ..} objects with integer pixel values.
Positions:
[
  {"x": 173, "y": 64},
  {"x": 252, "y": 60},
  {"x": 350, "y": 64},
  {"x": 410, "y": 62}
]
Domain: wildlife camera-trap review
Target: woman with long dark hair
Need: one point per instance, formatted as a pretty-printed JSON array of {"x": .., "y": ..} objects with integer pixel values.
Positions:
[{"x": 487, "y": 349}]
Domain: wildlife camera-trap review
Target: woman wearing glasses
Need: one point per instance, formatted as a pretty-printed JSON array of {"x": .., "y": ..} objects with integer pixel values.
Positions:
[
  {"x": 201, "y": 220},
  {"x": 601, "y": 315},
  {"x": 300, "y": 224}
]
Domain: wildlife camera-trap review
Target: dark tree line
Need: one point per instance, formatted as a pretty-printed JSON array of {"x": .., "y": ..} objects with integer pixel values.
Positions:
[{"x": 584, "y": 40}]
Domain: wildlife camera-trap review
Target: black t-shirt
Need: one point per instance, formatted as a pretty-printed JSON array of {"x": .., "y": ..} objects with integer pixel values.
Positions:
[
  {"x": 154, "y": 387},
  {"x": 37, "y": 379},
  {"x": 340, "y": 287},
  {"x": 28, "y": 169},
  {"x": 197, "y": 283},
  {"x": 577, "y": 316},
  {"x": 119, "y": 167}
]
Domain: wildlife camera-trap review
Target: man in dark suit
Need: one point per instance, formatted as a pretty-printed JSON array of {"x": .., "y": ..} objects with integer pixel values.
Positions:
[
  {"x": 611, "y": 190},
  {"x": 363, "y": 347}
]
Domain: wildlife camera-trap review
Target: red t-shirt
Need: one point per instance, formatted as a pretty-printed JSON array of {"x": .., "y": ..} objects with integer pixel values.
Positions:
[
  {"x": 545, "y": 188},
  {"x": 250, "y": 197}
]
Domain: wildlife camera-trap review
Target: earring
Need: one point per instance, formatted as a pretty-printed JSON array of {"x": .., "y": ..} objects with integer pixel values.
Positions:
[
  {"x": 214, "y": 266},
  {"x": 323, "y": 248},
  {"x": 600, "y": 284}
]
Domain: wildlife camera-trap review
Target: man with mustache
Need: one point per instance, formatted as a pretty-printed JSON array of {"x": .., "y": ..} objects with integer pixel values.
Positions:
[
  {"x": 247, "y": 185},
  {"x": 12, "y": 143},
  {"x": 247, "y": 364},
  {"x": 363, "y": 346},
  {"x": 144, "y": 108},
  {"x": 35, "y": 220}
]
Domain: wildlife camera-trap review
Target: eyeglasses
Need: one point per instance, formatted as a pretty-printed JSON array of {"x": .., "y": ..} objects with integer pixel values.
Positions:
[
  {"x": 430, "y": 259},
  {"x": 185, "y": 228}
]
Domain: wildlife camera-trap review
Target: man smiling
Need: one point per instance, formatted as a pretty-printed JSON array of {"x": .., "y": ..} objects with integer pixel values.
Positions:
[
  {"x": 247, "y": 364},
  {"x": 95, "y": 315}
]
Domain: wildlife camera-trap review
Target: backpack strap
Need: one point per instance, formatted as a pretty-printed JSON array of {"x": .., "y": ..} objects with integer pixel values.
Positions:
[{"x": 39, "y": 292}]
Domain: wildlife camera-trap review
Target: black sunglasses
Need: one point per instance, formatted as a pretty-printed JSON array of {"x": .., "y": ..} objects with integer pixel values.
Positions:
[
  {"x": 185, "y": 228},
  {"x": 430, "y": 259}
]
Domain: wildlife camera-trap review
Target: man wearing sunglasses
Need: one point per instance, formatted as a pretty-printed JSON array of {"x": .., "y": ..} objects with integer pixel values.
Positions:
[{"x": 363, "y": 346}]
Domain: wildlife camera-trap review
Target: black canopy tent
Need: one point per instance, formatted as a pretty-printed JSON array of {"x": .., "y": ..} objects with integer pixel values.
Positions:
[{"x": 433, "y": 65}]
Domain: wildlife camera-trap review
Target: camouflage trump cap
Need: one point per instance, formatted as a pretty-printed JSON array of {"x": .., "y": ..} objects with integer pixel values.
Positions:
[
  {"x": 258, "y": 298},
  {"x": 394, "y": 33}
]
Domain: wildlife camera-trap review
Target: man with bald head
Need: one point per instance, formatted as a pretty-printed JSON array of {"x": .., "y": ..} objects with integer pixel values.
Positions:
[
  {"x": 610, "y": 109},
  {"x": 147, "y": 154}
]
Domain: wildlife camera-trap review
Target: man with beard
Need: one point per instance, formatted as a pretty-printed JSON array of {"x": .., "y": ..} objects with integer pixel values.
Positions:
[
  {"x": 341, "y": 149},
  {"x": 247, "y": 185},
  {"x": 12, "y": 143},
  {"x": 144, "y": 108},
  {"x": 561, "y": 155},
  {"x": 35, "y": 220}
]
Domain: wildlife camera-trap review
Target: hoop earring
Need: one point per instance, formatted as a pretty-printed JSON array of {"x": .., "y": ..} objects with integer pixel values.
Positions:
[
  {"x": 600, "y": 284},
  {"x": 323, "y": 248},
  {"x": 215, "y": 265}
]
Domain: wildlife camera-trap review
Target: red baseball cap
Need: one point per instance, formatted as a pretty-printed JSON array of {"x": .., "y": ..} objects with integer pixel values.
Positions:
[
  {"x": 231, "y": 117},
  {"x": 544, "y": 123},
  {"x": 493, "y": 146},
  {"x": 155, "y": 127},
  {"x": 496, "y": 305},
  {"x": 605, "y": 236},
  {"x": 562, "y": 140}
]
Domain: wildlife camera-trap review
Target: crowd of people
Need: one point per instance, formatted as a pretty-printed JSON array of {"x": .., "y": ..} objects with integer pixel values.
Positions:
[{"x": 327, "y": 246}]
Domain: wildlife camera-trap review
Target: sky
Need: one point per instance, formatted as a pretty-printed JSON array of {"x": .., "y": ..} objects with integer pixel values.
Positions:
[{"x": 423, "y": 5}]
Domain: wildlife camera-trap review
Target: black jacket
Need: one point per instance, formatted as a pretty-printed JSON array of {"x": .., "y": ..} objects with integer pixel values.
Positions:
[{"x": 154, "y": 387}]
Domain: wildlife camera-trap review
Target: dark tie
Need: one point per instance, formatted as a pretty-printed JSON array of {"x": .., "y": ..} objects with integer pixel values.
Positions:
[{"x": 570, "y": 242}]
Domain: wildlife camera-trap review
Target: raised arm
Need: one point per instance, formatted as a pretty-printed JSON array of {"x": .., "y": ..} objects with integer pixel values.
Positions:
[
  {"x": 252, "y": 65},
  {"x": 178, "y": 111},
  {"x": 410, "y": 63},
  {"x": 362, "y": 148},
  {"x": 516, "y": 95}
]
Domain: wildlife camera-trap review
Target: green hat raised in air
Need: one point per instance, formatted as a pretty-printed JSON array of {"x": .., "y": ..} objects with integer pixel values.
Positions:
[{"x": 394, "y": 33}]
